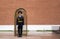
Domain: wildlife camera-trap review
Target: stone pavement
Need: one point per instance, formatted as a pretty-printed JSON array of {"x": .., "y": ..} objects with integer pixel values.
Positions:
[{"x": 10, "y": 35}]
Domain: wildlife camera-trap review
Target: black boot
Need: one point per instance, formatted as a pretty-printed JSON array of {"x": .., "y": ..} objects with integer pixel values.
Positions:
[{"x": 19, "y": 35}]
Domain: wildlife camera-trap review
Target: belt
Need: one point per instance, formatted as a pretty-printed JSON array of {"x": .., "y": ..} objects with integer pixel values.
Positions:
[{"x": 19, "y": 21}]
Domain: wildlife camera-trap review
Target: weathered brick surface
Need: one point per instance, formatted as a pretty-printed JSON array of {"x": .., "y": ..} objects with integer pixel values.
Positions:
[{"x": 38, "y": 11}]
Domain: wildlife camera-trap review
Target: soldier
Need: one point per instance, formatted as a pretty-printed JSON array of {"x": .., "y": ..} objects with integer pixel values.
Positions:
[{"x": 20, "y": 23}]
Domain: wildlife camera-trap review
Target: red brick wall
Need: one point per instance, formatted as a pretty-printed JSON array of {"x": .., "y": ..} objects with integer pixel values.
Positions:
[{"x": 38, "y": 11}]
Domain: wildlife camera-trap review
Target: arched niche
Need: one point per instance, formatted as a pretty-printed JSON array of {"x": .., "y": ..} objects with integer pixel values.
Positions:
[{"x": 25, "y": 21}]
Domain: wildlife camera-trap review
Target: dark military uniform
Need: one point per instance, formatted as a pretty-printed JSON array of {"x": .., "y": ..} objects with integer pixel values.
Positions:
[{"x": 20, "y": 23}]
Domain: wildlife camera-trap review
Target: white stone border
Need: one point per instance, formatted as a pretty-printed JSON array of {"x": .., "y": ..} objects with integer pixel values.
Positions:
[{"x": 32, "y": 27}]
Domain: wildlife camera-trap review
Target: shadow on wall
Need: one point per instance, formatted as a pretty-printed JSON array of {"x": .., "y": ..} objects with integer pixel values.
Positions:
[{"x": 56, "y": 29}]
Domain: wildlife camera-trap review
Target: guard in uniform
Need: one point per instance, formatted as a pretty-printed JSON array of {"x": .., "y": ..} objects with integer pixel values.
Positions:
[{"x": 20, "y": 23}]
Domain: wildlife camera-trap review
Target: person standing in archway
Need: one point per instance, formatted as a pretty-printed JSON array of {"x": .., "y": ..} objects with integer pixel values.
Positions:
[{"x": 20, "y": 23}]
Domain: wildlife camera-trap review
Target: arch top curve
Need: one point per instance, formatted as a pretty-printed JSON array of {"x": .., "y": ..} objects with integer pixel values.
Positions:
[{"x": 20, "y": 9}]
